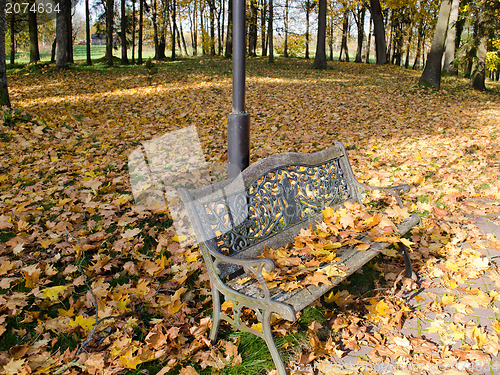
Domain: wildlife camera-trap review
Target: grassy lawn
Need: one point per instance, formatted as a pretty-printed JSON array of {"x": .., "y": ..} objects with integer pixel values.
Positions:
[
  {"x": 69, "y": 224},
  {"x": 79, "y": 54}
]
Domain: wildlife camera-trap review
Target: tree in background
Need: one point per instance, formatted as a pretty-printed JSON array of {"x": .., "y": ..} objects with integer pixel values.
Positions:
[
  {"x": 378, "y": 31},
  {"x": 320, "y": 59},
  {"x": 431, "y": 75},
  {"x": 270, "y": 32},
  {"x": 123, "y": 32},
  {"x": 449, "y": 65},
  {"x": 141, "y": 26},
  {"x": 487, "y": 15},
  {"x": 87, "y": 32},
  {"x": 344, "y": 51},
  {"x": 229, "y": 34},
  {"x": 359, "y": 17},
  {"x": 110, "y": 4},
  {"x": 4, "y": 92},
  {"x": 63, "y": 32},
  {"x": 253, "y": 29},
  {"x": 33, "y": 31}
]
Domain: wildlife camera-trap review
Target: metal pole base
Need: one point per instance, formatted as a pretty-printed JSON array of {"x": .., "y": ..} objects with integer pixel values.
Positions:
[{"x": 238, "y": 142}]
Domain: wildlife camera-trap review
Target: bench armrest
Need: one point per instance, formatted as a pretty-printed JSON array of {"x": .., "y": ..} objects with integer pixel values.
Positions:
[
  {"x": 395, "y": 190},
  {"x": 252, "y": 267}
]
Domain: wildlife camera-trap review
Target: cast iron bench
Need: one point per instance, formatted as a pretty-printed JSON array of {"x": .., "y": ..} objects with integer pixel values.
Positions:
[{"x": 267, "y": 206}]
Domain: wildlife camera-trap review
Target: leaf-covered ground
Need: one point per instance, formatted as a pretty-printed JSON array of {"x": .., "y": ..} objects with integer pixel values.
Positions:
[{"x": 76, "y": 251}]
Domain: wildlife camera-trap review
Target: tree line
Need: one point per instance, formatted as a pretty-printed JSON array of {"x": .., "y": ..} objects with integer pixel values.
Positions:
[{"x": 447, "y": 37}]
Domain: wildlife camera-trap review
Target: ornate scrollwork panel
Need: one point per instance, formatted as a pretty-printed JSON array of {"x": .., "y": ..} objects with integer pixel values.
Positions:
[{"x": 281, "y": 198}]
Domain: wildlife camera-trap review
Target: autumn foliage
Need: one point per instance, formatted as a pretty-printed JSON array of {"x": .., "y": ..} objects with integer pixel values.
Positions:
[{"x": 92, "y": 283}]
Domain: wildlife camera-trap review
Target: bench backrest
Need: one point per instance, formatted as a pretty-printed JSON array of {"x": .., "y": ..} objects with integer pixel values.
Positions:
[{"x": 270, "y": 201}]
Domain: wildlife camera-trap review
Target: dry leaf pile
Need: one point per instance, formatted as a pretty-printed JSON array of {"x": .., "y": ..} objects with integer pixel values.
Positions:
[
  {"x": 92, "y": 283},
  {"x": 312, "y": 258}
]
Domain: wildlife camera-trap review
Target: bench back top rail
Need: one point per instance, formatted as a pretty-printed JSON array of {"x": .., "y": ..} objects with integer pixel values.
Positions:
[{"x": 270, "y": 200}]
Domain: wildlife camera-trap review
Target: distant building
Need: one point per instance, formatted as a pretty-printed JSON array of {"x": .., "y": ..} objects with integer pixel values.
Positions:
[{"x": 98, "y": 39}]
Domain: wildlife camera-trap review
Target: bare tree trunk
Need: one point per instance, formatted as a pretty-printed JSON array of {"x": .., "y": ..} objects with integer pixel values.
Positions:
[
  {"x": 478, "y": 71},
  {"x": 219, "y": 33},
  {"x": 70, "y": 33},
  {"x": 183, "y": 39},
  {"x": 194, "y": 28},
  {"x": 211, "y": 4},
  {"x": 330, "y": 38},
  {"x": 408, "y": 48},
  {"x": 53, "y": 51},
  {"x": 378, "y": 31},
  {"x": 174, "y": 27},
  {"x": 390, "y": 27},
  {"x": 308, "y": 13},
  {"x": 320, "y": 59},
  {"x": 141, "y": 24},
  {"x": 62, "y": 33},
  {"x": 4, "y": 91},
  {"x": 33, "y": 31},
  {"x": 203, "y": 33},
  {"x": 369, "y": 41},
  {"x": 416, "y": 64},
  {"x": 109, "y": 31},
  {"x": 87, "y": 32},
  {"x": 252, "y": 28},
  {"x": 431, "y": 75},
  {"x": 345, "y": 34},
  {"x": 155, "y": 28},
  {"x": 178, "y": 34},
  {"x": 123, "y": 33},
  {"x": 229, "y": 37},
  {"x": 449, "y": 54},
  {"x": 285, "y": 47},
  {"x": 270, "y": 32},
  {"x": 12, "y": 38},
  {"x": 223, "y": 36},
  {"x": 360, "y": 23},
  {"x": 133, "y": 31},
  {"x": 398, "y": 40},
  {"x": 263, "y": 35}
]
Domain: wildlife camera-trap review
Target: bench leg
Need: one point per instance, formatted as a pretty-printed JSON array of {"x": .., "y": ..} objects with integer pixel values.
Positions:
[
  {"x": 409, "y": 273},
  {"x": 216, "y": 315},
  {"x": 268, "y": 337}
]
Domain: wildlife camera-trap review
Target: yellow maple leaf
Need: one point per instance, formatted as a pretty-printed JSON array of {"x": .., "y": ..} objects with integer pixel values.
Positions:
[
  {"x": 192, "y": 257},
  {"x": 332, "y": 271},
  {"x": 372, "y": 221},
  {"x": 479, "y": 337},
  {"x": 340, "y": 298},
  {"x": 62, "y": 312},
  {"x": 448, "y": 299},
  {"x": 54, "y": 292},
  {"x": 362, "y": 247},
  {"x": 406, "y": 242},
  {"x": 14, "y": 367},
  {"x": 129, "y": 360},
  {"x": 179, "y": 238},
  {"x": 176, "y": 304},
  {"x": 496, "y": 325},
  {"x": 257, "y": 326},
  {"x": 85, "y": 323},
  {"x": 328, "y": 212},
  {"x": 226, "y": 305}
]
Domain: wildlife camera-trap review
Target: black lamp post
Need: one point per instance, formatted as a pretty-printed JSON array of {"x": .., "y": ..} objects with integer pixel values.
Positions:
[{"x": 238, "y": 131}]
